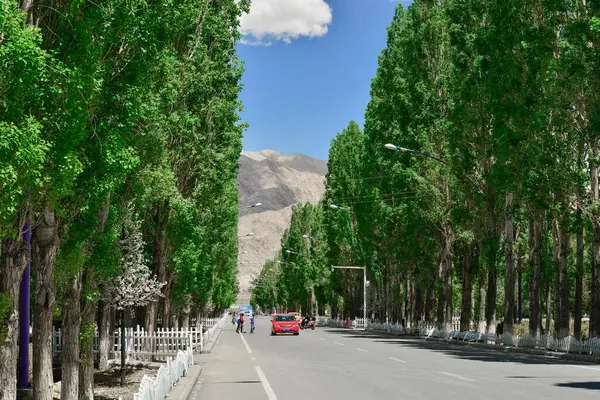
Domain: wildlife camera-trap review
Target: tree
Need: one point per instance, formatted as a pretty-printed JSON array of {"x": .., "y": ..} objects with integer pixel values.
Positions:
[{"x": 134, "y": 286}]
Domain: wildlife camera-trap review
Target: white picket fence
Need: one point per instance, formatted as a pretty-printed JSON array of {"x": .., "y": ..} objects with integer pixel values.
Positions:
[
  {"x": 142, "y": 345},
  {"x": 421, "y": 328},
  {"x": 158, "y": 387},
  {"x": 542, "y": 342}
]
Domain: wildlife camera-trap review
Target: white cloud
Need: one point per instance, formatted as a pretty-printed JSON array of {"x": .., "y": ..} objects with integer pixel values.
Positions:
[{"x": 284, "y": 20}]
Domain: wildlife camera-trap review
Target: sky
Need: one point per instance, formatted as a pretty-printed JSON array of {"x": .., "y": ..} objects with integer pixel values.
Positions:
[{"x": 308, "y": 69}]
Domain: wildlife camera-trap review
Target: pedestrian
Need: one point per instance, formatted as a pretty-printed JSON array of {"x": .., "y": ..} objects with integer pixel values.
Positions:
[
  {"x": 242, "y": 323},
  {"x": 239, "y": 324},
  {"x": 252, "y": 324}
]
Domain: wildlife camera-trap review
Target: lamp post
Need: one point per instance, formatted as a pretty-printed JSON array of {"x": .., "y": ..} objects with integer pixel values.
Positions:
[
  {"x": 364, "y": 268},
  {"x": 246, "y": 235}
]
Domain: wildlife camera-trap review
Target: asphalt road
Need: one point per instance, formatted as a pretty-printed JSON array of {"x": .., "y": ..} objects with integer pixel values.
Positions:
[{"x": 331, "y": 364}]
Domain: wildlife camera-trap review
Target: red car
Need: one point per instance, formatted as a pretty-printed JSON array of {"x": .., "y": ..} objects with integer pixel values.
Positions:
[{"x": 282, "y": 323}]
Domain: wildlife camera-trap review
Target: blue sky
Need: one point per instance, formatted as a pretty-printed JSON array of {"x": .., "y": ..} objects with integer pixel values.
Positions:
[{"x": 306, "y": 77}]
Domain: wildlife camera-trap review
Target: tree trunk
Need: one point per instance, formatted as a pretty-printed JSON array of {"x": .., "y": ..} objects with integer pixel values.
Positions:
[
  {"x": 445, "y": 295},
  {"x": 88, "y": 308},
  {"x": 520, "y": 288},
  {"x": 159, "y": 260},
  {"x": 535, "y": 239},
  {"x": 104, "y": 337},
  {"x": 70, "y": 340},
  {"x": 482, "y": 298},
  {"x": 548, "y": 307},
  {"x": 555, "y": 272},
  {"x": 86, "y": 365},
  {"x": 595, "y": 286},
  {"x": 430, "y": 300},
  {"x": 578, "y": 279},
  {"x": 492, "y": 273},
  {"x": 418, "y": 304},
  {"x": 467, "y": 291},
  {"x": 13, "y": 259},
  {"x": 509, "y": 259},
  {"x": 168, "y": 312},
  {"x": 123, "y": 349},
  {"x": 563, "y": 279},
  {"x": 408, "y": 303},
  {"x": 45, "y": 242}
]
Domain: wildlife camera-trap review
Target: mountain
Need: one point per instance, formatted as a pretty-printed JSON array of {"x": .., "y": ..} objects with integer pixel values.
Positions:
[{"x": 278, "y": 181}]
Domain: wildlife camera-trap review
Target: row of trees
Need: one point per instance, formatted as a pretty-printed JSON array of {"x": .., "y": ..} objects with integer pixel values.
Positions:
[
  {"x": 115, "y": 117},
  {"x": 498, "y": 217}
]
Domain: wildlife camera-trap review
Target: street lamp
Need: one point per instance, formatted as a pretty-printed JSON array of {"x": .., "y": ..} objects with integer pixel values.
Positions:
[
  {"x": 247, "y": 234},
  {"x": 390, "y": 146},
  {"x": 253, "y": 205},
  {"x": 244, "y": 252},
  {"x": 364, "y": 268},
  {"x": 405, "y": 150},
  {"x": 336, "y": 207}
]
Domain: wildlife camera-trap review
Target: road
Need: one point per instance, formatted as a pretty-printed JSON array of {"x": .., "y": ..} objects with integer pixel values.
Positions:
[{"x": 331, "y": 364}]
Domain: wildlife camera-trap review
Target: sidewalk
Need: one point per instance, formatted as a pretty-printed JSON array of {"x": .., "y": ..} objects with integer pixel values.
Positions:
[
  {"x": 189, "y": 386},
  {"x": 230, "y": 370}
]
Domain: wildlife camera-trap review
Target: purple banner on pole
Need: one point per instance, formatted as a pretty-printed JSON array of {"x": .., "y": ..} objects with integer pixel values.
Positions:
[{"x": 23, "y": 377}]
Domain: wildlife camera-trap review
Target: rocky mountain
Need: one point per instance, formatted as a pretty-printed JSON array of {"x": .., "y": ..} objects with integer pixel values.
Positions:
[{"x": 278, "y": 181}]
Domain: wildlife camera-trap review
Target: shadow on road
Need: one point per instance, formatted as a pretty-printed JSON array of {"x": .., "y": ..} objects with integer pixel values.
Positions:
[
  {"x": 453, "y": 349},
  {"x": 592, "y": 385}
]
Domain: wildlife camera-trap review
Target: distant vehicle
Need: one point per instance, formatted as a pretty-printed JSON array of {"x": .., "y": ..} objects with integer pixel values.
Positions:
[
  {"x": 296, "y": 315},
  {"x": 282, "y": 323}
]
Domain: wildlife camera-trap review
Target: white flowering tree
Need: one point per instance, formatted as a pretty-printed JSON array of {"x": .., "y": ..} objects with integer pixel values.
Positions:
[{"x": 134, "y": 286}]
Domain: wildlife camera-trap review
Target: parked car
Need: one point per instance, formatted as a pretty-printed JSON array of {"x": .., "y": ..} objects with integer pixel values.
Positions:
[{"x": 284, "y": 323}]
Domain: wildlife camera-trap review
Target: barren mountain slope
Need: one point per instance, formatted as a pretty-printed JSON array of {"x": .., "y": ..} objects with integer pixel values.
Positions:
[{"x": 277, "y": 181}]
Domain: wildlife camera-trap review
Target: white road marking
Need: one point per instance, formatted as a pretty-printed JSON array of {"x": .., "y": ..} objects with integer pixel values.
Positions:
[
  {"x": 457, "y": 376},
  {"x": 396, "y": 359},
  {"x": 338, "y": 343},
  {"x": 359, "y": 349},
  {"x": 268, "y": 389},
  {"x": 584, "y": 367},
  {"x": 323, "y": 338},
  {"x": 246, "y": 344}
]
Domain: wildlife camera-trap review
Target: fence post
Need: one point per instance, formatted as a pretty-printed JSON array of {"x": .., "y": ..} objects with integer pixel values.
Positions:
[{"x": 201, "y": 339}]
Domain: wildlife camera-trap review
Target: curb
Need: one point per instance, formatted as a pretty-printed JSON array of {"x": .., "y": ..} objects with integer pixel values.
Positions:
[
  {"x": 188, "y": 389},
  {"x": 211, "y": 345}
]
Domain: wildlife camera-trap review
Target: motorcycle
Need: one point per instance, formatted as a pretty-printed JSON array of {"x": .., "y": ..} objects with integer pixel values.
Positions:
[{"x": 309, "y": 325}]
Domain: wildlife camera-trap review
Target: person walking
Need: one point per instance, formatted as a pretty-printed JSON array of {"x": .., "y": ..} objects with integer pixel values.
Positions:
[
  {"x": 242, "y": 323},
  {"x": 237, "y": 330},
  {"x": 252, "y": 324}
]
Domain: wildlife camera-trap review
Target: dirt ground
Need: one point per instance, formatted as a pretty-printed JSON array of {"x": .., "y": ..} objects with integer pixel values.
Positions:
[{"x": 107, "y": 384}]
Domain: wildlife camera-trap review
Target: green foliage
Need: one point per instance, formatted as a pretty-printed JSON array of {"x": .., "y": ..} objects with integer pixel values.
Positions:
[{"x": 491, "y": 99}]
